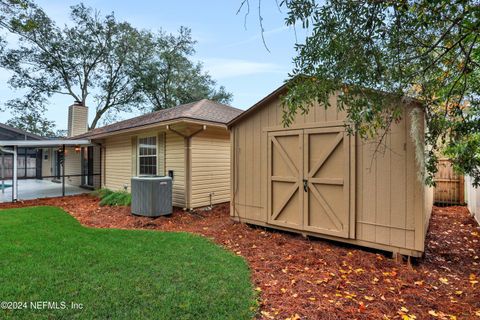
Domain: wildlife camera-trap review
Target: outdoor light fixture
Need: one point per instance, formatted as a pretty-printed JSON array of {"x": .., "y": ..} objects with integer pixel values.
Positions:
[{"x": 77, "y": 149}]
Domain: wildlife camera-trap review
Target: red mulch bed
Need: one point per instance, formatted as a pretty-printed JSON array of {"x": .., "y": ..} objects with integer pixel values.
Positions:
[{"x": 301, "y": 278}]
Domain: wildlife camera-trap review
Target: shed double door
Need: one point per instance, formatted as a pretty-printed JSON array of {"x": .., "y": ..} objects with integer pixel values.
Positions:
[{"x": 308, "y": 180}]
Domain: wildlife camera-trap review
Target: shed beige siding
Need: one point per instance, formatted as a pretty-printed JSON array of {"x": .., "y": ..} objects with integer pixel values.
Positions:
[
  {"x": 210, "y": 167},
  {"x": 390, "y": 206}
]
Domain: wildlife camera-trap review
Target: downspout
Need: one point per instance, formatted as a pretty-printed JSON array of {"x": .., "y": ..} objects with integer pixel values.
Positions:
[
  {"x": 100, "y": 165},
  {"x": 14, "y": 178},
  {"x": 233, "y": 170},
  {"x": 187, "y": 144}
]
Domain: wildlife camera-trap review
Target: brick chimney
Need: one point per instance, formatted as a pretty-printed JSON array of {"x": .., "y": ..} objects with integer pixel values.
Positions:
[{"x": 77, "y": 119}]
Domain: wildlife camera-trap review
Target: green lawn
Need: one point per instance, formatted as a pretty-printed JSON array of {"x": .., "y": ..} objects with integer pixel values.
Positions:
[{"x": 46, "y": 255}]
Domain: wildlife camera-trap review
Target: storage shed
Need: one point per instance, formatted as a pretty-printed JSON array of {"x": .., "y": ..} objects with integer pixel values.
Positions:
[{"x": 315, "y": 179}]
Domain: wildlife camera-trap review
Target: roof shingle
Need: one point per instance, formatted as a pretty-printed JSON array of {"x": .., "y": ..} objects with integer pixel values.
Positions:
[{"x": 205, "y": 110}]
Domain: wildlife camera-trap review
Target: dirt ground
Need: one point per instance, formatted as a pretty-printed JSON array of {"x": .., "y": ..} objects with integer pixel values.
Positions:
[{"x": 299, "y": 278}]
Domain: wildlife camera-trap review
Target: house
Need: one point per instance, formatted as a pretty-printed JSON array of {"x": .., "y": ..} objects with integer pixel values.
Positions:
[
  {"x": 189, "y": 142},
  {"x": 315, "y": 179}
]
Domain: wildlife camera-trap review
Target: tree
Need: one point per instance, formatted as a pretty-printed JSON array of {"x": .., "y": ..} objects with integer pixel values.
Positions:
[
  {"x": 376, "y": 53},
  {"x": 93, "y": 56},
  {"x": 31, "y": 119},
  {"x": 101, "y": 61},
  {"x": 171, "y": 78}
]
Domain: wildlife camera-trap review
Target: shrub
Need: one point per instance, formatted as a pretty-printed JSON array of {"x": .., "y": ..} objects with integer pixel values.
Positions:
[
  {"x": 120, "y": 198},
  {"x": 113, "y": 198},
  {"x": 102, "y": 193}
]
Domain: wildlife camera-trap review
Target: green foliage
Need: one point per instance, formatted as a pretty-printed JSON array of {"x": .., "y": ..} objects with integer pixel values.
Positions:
[
  {"x": 171, "y": 78},
  {"x": 467, "y": 153},
  {"x": 120, "y": 198},
  {"x": 31, "y": 120},
  {"x": 376, "y": 54},
  {"x": 113, "y": 198},
  {"x": 117, "y": 274},
  {"x": 101, "y": 193},
  {"x": 101, "y": 62}
]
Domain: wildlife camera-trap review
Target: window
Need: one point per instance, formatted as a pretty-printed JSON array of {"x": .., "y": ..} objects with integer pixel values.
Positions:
[{"x": 147, "y": 156}]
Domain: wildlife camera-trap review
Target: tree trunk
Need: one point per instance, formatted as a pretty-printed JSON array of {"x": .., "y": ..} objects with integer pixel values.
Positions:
[{"x": 98, "y": 115}]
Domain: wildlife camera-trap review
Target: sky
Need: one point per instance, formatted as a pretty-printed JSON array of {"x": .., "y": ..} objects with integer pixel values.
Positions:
[{"x": 232, "y": 51}]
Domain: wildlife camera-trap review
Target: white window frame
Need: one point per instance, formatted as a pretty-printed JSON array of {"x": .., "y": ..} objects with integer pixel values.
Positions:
[{"x": 144, "y": 156}]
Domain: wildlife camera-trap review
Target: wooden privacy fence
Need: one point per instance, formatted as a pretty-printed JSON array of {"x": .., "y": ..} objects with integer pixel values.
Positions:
[{"x": 449, "y": 189}]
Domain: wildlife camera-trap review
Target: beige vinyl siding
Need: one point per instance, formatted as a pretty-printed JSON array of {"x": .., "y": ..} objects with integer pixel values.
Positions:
[
  {"x": 118, "y": 157},
  {"x": 77, "y": 120},
  {"x": 161, "y": 154},
  {"x": 390, "y": 204},
  {"x": 175, "y": 160},
  {"x": 209, "y": 161},
  {"x": 120, "y": 154},
  {"x": 210, "y": 167},
  {"x": 73, "y": 166}
]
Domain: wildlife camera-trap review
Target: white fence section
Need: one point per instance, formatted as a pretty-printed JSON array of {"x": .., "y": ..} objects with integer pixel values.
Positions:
[{"x": 473, "y": 198}]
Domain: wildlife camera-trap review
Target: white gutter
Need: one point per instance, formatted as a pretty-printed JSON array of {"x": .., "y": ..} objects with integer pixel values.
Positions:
[
  {"x": 14, "y": 181},
  {"x": 44, "y": 143}
]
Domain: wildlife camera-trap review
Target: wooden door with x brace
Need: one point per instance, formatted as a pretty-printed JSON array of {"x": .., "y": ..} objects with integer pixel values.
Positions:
[{"x": 308, "y": 180}]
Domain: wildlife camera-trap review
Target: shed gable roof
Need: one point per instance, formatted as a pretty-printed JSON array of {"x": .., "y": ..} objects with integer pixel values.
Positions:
[
  {"x": 282, "y": 89},
  {"x": 204, "y": 110}
]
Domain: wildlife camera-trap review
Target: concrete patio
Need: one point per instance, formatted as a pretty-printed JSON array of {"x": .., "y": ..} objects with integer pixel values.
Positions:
[{"x": 34, "y": 189}]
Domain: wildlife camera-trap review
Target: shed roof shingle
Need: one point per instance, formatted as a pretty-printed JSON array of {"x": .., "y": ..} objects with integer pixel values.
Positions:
[{"x": 205, "y": 110}]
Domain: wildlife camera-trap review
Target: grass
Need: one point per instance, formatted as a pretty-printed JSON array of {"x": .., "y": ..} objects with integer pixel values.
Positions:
[
  {"x": 113, "y": 198},
  {"x": 46, "y": 255}
]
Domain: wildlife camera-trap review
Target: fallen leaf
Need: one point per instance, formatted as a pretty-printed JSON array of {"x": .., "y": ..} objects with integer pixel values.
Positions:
[
  {"x": 368, "y": 298},
  {"x": 443, "y": 280},
  {"x": 361, "y": 307},
  {"x": 433, "y": 313},
  {"x": 294, "y": 317}
]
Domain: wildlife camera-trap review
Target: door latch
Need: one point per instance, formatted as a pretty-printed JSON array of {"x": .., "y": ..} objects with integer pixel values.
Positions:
[{"x": 305, "y": 185}]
